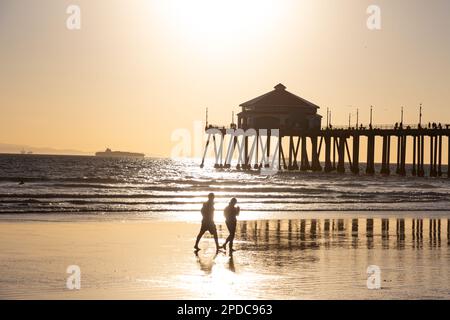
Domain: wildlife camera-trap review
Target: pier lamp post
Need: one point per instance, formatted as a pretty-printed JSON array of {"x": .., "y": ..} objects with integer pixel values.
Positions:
[
  {"x": 371, "y": 110},
  {"x": 328, "y": 123},
  {"x": 357, "y": 117},
  {"x": 420, "y": 116},
  {"x": 350, "y": 116},
  {"x": 401, "y": 118}
]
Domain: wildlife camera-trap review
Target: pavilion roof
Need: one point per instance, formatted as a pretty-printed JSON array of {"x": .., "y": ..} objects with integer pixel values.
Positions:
[{"x": 279, "y": 97}]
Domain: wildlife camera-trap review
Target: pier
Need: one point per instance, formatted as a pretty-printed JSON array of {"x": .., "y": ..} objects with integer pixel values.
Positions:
[{"x": 291, "y": 127}]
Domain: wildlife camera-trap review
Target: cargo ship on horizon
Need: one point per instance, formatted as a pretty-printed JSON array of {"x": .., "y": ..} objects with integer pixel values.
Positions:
[{"x": 108, "y": 153}]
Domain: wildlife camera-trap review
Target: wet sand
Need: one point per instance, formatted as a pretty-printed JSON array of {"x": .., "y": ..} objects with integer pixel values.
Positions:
[{"x": 324, "y": 258}]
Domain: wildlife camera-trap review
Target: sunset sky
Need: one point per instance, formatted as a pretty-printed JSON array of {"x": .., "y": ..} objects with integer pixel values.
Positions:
[{"x": 137, "y": 71}]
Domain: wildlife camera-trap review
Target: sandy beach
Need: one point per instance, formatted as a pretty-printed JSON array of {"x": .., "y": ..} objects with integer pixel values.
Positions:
[{"x": 305, "y": 258}]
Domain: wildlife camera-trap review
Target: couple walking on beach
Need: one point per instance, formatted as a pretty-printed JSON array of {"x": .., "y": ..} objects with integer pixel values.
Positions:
[{"x": 231, "y": 212}]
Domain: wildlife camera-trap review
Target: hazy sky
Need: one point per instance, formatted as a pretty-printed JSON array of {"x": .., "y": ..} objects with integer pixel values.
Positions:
[{"x": 138, "y": 70}]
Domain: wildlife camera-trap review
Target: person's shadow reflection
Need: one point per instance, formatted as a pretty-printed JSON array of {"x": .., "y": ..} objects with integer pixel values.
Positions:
[
  {"x": 231, "y": 265},
  {"x": 206, "y": 263}
]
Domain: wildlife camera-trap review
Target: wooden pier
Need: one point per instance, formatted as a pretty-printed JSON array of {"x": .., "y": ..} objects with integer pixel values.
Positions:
[
  {"x": 279, "y": 118},
  {"x": 335, "y": 145}
]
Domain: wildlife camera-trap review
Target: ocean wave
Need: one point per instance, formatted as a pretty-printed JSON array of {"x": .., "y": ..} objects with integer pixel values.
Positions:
[
  {"x": 242, "y": 202},
  {"x": 149, "y": 211},
  {"x": 288, "y": 193},
  {"x": 57, "y": 179},
  {"x": 87, "y": 184}
]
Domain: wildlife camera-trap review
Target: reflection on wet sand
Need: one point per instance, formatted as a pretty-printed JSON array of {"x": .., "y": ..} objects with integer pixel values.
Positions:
[
  {"x": 345, "y": 233},
  {"x": 328, "y": 258},
  {"x": 205, "y": 263}
]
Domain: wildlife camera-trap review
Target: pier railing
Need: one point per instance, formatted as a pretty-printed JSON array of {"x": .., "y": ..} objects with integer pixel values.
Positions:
[
  {"x": 389, "y": 127},
  {"x": 434, "y": 126}
]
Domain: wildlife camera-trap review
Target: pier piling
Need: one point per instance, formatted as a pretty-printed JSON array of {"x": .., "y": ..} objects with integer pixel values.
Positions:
[
  {"x": 328, "y": 164},
  {"x": 370, "y": 169},
  {"x": 355, "y": 166},
  {"x": 338, "y": 153}
]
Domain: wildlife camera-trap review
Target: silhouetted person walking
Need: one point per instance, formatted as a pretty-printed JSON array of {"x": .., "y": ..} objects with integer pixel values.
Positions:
[
  {"x": 208, "y": 222},
  {"x": 230, "y": 213}
]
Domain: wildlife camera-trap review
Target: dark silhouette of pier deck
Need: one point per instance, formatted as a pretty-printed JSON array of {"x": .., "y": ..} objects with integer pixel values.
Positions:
[
  {"x": 296, "y": 119},
  {"x": 335, "y": 142}
]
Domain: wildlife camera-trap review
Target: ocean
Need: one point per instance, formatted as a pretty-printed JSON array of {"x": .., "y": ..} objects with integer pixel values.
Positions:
[
  {"x": 153, "y": 187},
  {"x": 130, "y": 225}
]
